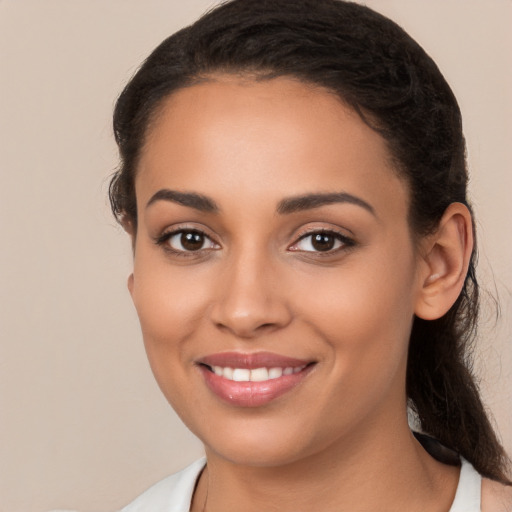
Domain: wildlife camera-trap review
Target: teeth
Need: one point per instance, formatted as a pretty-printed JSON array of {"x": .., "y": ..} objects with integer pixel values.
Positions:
[
  {"x": 275, "y": 373},
  {"x": 256, "y": 374},
  {"x": 259, "y": 375},
  {"x": 241, "y": 375}
]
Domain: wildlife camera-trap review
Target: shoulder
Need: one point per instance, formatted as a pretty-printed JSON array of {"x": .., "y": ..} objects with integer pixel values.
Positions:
[
  {"x": 173, "y": 494},
  {"x": 496, "y": 497}
]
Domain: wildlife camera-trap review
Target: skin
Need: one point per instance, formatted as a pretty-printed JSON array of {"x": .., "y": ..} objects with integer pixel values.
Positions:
[{"x": 340, "y": 440}]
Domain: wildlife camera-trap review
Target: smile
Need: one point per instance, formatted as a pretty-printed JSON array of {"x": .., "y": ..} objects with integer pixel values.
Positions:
[
  {"x": 252, "y": 380},
  {"x": 255, "y": 375}
]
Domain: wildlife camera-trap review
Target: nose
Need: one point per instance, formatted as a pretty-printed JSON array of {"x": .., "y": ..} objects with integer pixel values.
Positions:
[{"x": 250, "y": 300}]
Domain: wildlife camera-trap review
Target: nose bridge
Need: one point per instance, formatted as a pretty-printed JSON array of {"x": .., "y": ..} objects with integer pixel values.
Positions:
[{"x": 249, "y": 301}]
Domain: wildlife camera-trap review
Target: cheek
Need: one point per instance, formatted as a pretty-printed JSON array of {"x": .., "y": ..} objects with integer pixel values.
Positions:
[
  {"x": 365, "y": 311},
  {"x": 363, "y": 294},
  {"x": 169, "y": 311},
  {"x": 171, "y": 303},
  {"x": 365, "y": 317},
  {"x": 167, "y": 297}
]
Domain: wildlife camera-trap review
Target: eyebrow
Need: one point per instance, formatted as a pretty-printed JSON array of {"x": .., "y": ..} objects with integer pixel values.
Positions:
[
  {"x": 189, "y": 199},
  {"x": 286, "y": 206},
  {"x": 310, "y": 201}
]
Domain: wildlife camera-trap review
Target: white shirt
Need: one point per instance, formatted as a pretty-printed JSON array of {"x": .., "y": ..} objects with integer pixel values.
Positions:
[{"x": 174, "y": 493}]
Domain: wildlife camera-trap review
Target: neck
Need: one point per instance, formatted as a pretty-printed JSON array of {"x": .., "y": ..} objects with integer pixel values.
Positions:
[{"x": 371, "y": 469}]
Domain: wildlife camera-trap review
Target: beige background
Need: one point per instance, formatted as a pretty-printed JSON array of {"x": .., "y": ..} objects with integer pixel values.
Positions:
[{"x": 82, "y": 424}]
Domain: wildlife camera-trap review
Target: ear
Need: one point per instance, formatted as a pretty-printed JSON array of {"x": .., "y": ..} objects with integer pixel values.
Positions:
[
  {"x": 446, "y": 255},
  {"x": 130, "y": 284},
  {"x": 130, "y": 228},
  {"x": 127, "y": 224}
]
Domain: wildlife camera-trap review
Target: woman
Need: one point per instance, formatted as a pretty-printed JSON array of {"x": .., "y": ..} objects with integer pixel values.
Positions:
[{"x": 293, "y": 179}]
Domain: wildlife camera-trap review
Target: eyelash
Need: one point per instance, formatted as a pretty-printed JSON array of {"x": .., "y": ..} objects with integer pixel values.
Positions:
[
  {"x": 163, "y": 239},
  {"x": 346, "y": 242}
]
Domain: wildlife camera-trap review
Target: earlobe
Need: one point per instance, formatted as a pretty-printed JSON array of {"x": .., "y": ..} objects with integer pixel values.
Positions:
[
  {"x": 446, "y": 256},
  {"x": 130, "y": 284}
]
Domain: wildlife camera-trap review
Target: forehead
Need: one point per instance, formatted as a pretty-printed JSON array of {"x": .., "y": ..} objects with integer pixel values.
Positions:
[{"x": 264, "y": 139}]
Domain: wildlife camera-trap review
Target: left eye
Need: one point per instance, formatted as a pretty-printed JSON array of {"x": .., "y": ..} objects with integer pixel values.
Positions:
[
  {"x": 189, "y": 241},
  {"x": 320, "y": 242}
]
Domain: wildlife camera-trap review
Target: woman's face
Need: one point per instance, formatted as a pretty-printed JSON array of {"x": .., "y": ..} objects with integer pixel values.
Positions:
[{"x": 275, "y": 277}]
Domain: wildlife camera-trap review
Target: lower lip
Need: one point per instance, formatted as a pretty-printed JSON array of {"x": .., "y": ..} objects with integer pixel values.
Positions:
[{"x": 252, "y": 394}]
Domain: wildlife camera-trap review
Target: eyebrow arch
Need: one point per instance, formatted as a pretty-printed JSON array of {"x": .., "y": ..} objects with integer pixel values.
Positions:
[
  {"x": 310, "y": 201},
  {"x": 189, "y": 199}
]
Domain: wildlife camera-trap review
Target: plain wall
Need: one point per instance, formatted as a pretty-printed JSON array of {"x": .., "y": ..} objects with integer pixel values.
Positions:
[{"x": 82, "y": 423}]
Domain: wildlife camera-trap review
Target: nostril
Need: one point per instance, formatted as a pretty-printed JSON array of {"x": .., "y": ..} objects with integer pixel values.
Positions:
[
  {"x": 266, "y": 326},
  {"x": 249, "y": 314},
  {"x": 247, "y": 329}
]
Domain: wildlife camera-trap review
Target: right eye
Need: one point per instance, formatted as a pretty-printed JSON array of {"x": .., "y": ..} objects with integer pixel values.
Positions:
[{"x": 187, "y": 240}]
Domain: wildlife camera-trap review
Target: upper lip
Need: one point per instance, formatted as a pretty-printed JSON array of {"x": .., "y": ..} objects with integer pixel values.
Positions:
[{"x": 252, "y": 360}]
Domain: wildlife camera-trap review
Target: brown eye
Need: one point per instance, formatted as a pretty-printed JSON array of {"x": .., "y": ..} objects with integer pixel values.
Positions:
[
  {"x": 188, "y": 241},
  {"x": 192, "y": 241},
  {"x": 323, "y": 241}
]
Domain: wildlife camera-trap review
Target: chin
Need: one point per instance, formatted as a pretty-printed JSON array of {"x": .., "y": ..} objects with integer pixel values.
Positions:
[
  {"x": 259, "y": 443},
  {"x": 255, "y": 455}
]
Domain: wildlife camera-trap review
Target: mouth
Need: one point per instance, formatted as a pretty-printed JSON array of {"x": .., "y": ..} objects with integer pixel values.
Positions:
[
  {"x": 252, "y": 380},
  {"x": 255, "y": 375}
]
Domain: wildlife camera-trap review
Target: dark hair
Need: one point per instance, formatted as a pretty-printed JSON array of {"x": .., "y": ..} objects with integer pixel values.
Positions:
[{"x": 378, "y": 70}]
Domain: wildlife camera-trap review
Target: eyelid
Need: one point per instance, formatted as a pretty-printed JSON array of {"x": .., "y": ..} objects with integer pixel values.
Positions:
[
  {"x": 182, "y": 226},
  {"x": 347, "y": 242},
  {"x": 171, "y": 231}
]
